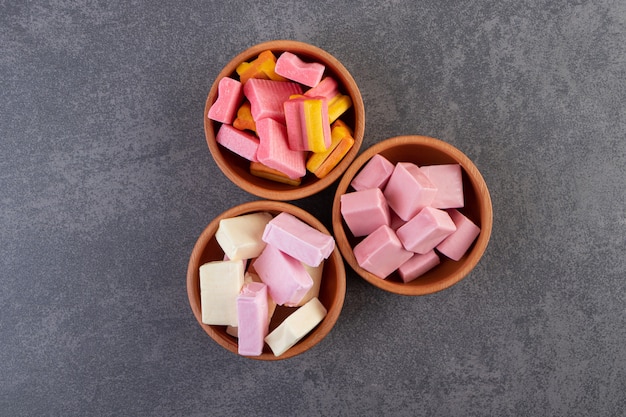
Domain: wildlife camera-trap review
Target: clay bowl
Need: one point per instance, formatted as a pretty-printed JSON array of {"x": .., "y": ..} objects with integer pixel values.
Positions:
[
  {"x": 236, "y": 168},
  {"x": 421, "y": 150},
  {"x": 332, "y": 289}
]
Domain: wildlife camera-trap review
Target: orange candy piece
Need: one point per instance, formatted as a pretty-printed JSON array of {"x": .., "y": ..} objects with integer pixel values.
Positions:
[
  {"x": 244, "y": 120},
  {"x": 321, "y": 163},
  {"x": 335, "y": 157},
  {"x": 263, "y": 171},
  {"x": 261, "y": 67}
]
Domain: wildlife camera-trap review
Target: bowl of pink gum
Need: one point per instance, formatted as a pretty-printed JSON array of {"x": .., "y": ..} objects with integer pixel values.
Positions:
[
  {"x": 237, "y": 169},
  {"x": 421, "y": 150},
  {"x": 332, "y": 288}
]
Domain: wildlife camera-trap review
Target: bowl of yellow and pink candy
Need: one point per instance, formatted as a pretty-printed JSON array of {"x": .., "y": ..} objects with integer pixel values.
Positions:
[
  {"x": 284, "y": 119},
  {"x": 265, "y": 280},
  {"x": 412, "y": 215}
]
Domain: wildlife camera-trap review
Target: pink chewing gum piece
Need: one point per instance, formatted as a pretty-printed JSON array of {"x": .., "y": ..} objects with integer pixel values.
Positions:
[
  {"x": 253, "y": 323},
  {"x": 327, "y": 88},
  {"x": 426, "y": 230},
  {"x": 286, "y": 277},
  {"x": 418, "y": 265},
  {"x": 374, "y": 174},
  {"x": 271, "y": 305},
  {"x": 266, "y": 97},
  {"x": 242, "y": 143},
  {"x": 297, "y": 239},
  {"x": 274, "y": 149},
  {"x": 457, "y": 244},
  {"x": 293, "y": 121},
  {"x": 408, "y": 190},
  {"x": 449, "y": 182},
  {"x": 381, "y": 252},
  {"x": 290, "y": 66},
  {"x": 365, "y": 211},
  {"x": 229, "y": 96}
]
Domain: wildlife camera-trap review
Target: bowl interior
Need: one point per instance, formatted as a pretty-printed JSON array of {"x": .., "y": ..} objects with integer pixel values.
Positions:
[
  {"x": 421, "y": 150},
  {"x": 332, "y": 288},
  {"x": 236, "y": 168}
]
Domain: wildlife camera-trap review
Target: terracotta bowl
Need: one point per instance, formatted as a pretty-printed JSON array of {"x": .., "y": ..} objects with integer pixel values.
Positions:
[
  {"x": 236, "y": 168},
  {"x": 332, "y": 289},
  {"x": 421, "y": 150}
]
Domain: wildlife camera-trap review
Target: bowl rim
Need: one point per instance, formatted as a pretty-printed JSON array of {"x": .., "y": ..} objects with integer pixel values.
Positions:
[
  {"x": 192, "y": 278},
  {"x": 486, "y": 215},
  {"x": 302, "y": 191}
]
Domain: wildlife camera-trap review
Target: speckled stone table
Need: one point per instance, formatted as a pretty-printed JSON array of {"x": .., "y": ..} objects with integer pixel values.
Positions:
[{"x": 106, "y": 182}]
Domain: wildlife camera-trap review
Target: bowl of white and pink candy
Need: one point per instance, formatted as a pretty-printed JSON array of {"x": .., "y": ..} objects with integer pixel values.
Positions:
[
  {"x": 412, "y": 215},
  {"x": 284, "y": 119},
  {"x": 265, "y": 280}
]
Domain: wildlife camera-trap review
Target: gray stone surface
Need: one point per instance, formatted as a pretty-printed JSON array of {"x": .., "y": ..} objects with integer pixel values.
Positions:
[{"x": 106, "y": 182}]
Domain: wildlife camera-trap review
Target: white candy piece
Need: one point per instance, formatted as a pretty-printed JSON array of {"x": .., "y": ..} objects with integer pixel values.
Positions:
[
  {"x": 220, "y": 284},
  {"x": 240, "y": 237},
  {"x": 296, "y": 326}
]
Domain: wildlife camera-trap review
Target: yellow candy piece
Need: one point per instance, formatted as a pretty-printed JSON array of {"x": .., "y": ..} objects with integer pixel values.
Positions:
[
  {"x": 339, "y": 132},
  {"x": 316, "y": 124},
  {"x": 242, "y": 68},
  {"x": 268, "y": 67},
  {"x": 338, "y": 106},
  {"x": 244, "y": 120},
  {"x": 260, "y": 170}
]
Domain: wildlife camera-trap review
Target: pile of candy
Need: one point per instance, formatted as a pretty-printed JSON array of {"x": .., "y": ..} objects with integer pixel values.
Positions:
[
  {"x": 268, "y": 262},
  {"x": 408, "y": 215},
  {"x": 283, "y": 115}
]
